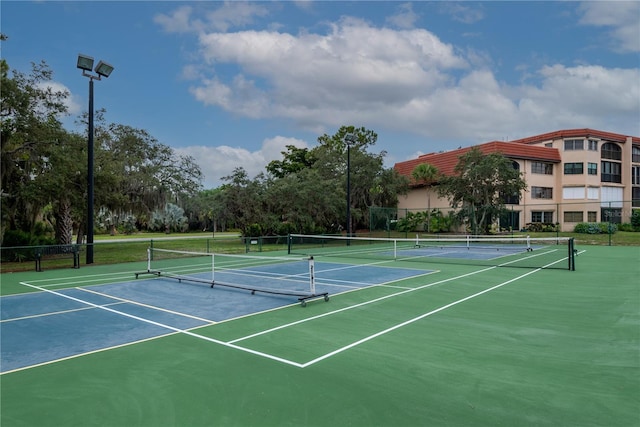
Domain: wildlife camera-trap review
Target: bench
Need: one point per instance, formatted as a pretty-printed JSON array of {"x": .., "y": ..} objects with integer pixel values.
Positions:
[{"x": 57, "y": 251}]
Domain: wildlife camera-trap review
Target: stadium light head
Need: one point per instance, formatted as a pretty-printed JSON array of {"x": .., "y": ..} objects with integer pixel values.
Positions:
[
  {"x": 103, "y": 69},
  {"x": 85, "y": 62},
  {"x": 350, "y": 138}
]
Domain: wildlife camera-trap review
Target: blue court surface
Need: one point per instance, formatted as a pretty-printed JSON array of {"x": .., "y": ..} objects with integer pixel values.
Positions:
[{"x": 50, "y": 325}]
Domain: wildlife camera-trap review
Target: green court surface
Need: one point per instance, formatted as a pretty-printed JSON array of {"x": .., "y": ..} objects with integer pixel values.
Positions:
[{"x": 460, "y": 346}]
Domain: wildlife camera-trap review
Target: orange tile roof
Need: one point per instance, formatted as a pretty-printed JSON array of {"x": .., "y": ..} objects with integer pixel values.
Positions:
[
  {"x": 447, "y": 161},
  {"x": 571, "y": 133}
]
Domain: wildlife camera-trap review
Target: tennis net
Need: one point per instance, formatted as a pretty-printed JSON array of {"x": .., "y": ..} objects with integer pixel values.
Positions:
[
  {"x": 526, "y": 252},
  {"x": 285, "y": 276}
]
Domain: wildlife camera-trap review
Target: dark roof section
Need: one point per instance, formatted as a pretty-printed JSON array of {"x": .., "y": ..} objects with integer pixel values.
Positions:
[{"x": 447, "y": 161}]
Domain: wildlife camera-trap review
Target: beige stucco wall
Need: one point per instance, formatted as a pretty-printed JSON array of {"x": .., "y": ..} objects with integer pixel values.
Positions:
[{"x": 422, "y": 198}]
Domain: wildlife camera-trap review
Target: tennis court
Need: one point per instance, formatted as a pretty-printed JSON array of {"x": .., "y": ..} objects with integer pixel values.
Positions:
[{"x": 398, "y": 342}]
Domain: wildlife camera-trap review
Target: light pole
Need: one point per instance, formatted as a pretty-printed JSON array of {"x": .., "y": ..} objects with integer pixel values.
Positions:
[
  {"x": 349, "y": 139},
  {"x": 85, "y": 63}
]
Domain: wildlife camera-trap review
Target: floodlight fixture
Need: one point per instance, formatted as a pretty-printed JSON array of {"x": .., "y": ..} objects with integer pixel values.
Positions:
[
  {"x": 85, "y": 62},
  {"x": 103, "y": 69}
]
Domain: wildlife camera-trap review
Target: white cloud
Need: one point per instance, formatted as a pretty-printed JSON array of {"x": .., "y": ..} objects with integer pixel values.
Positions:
[
  {"x": 179, "y": 21},
  {"x": 318, "y": 79},
  {"x": 405, "y": 80},
  {"x": 230, "y": 14},
  {"x": 220, "y": 161},
  {"x": 622, "y": 16},
  {"x": 462, "y": 13},
  {"x": 401, "y": 79},
  {"x": 405, "y": 17},
  {"x": 72, "y": 102}
]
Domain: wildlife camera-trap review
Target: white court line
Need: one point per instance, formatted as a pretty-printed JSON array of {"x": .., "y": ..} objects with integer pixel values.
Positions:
[
  {"x": 169, "y": 327},
  {"x": 390, "y": 296},
  {"x": 231, "y": 344},
  {"x": 415, "y": 319},
  {"x": 52, "y": 313},
  {"x": 360, "y": 304},
  {"x": 124, "y": 300},
  {"x": 422, "y": 316}
]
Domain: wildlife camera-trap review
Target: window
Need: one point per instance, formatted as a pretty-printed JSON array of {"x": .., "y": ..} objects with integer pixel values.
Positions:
[
  {"x": 611, "y": 197},
  {"x": 542, "y": 216},
  {"x": 593, "y": 145},
  {"x": 592, "y": 216},
  {"x": 592, "y": 168},
  {"x": 635, "y": 175},
  {"x": 593, "y": 193},
  {"x": 573, "y": 193},
  {"x": 573, "y": 168},
  {"x": 542, "y": 168},
  {"x": 541, "y": 192},
  {"x": 635, "y": 154},
  {"x": 611, "y": 215},
  {"x": 573, "y": 144},
  {"x": 575, "y": 216},
  {"x": 611, "y": 151},
  {"x": 635, "y": 197},
  {"x": 611, "y": 172},
  {"x": 549, "y": 144}
]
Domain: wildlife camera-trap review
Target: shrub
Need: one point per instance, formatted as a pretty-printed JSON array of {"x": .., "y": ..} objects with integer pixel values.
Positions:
[
  {"x": 541, "y": 227},
  {"x": 253, "y": 230},
  {"x": 625, "y": 227},
  {"x": 635, "y": 219},
  {"x": 595, "y": 228}
]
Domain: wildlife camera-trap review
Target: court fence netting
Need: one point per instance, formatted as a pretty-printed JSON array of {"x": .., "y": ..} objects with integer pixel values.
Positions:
[
  {"x": 285, "y": 276},
  {"x": 524, "y": 252}
]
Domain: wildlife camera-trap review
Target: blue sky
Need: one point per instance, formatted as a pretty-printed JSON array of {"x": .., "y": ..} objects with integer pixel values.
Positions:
[{"x": 232, "y": 83}]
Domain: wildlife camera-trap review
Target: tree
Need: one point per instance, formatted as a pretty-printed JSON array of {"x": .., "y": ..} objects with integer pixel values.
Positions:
[
  {"x": 295, "y": 159},
  {"x": 426, "y": 174},
  {"x": 169, "y": 219},
  {"x": 30, "y": 130},
  {"x": 243, "y": 198},
  {"x": 136, "y": 174},
  {"x": 371, "y": 184},
  {"x": 479, "y": 185}
]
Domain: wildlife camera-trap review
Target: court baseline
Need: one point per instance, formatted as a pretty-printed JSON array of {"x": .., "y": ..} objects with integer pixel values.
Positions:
[{"x": 231, "y": 344}]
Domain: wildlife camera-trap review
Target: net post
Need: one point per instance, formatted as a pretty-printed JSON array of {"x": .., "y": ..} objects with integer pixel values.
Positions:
[
  {"x": 395, "y": 248},
  {"x": 528, "y": 242},
  {"x": 468, "y": 241},
  {"x": 149, "y": 259},
  {"x": 289, "y": 244},
  {"x": 312, "y": 277},
  {"x": 572, "y": 255},
  {"x": 213, "y": 269}
]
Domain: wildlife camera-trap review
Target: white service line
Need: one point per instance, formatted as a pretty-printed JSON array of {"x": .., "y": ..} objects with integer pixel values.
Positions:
[
  {"x": 169, "y": 327},
  {"x": 52, "y": 313},
  {"x": 360, "y": 304},
  {"x": 415, "y": 319},
  {"x": 124, "y": 300}
]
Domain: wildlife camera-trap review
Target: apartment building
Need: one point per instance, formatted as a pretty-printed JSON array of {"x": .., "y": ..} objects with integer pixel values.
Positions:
[{"x": 574, "y": 175}]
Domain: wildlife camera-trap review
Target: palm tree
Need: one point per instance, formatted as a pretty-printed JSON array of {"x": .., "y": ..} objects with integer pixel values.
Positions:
[{"x": 428, "y": 174}]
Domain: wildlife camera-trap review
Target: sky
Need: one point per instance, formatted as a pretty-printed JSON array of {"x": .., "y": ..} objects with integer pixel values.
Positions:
[{"x": 233, "y": 83}]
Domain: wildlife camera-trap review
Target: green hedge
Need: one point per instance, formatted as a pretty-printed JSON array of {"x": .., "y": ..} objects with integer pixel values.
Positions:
[{"x": 595, "y": 228}]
